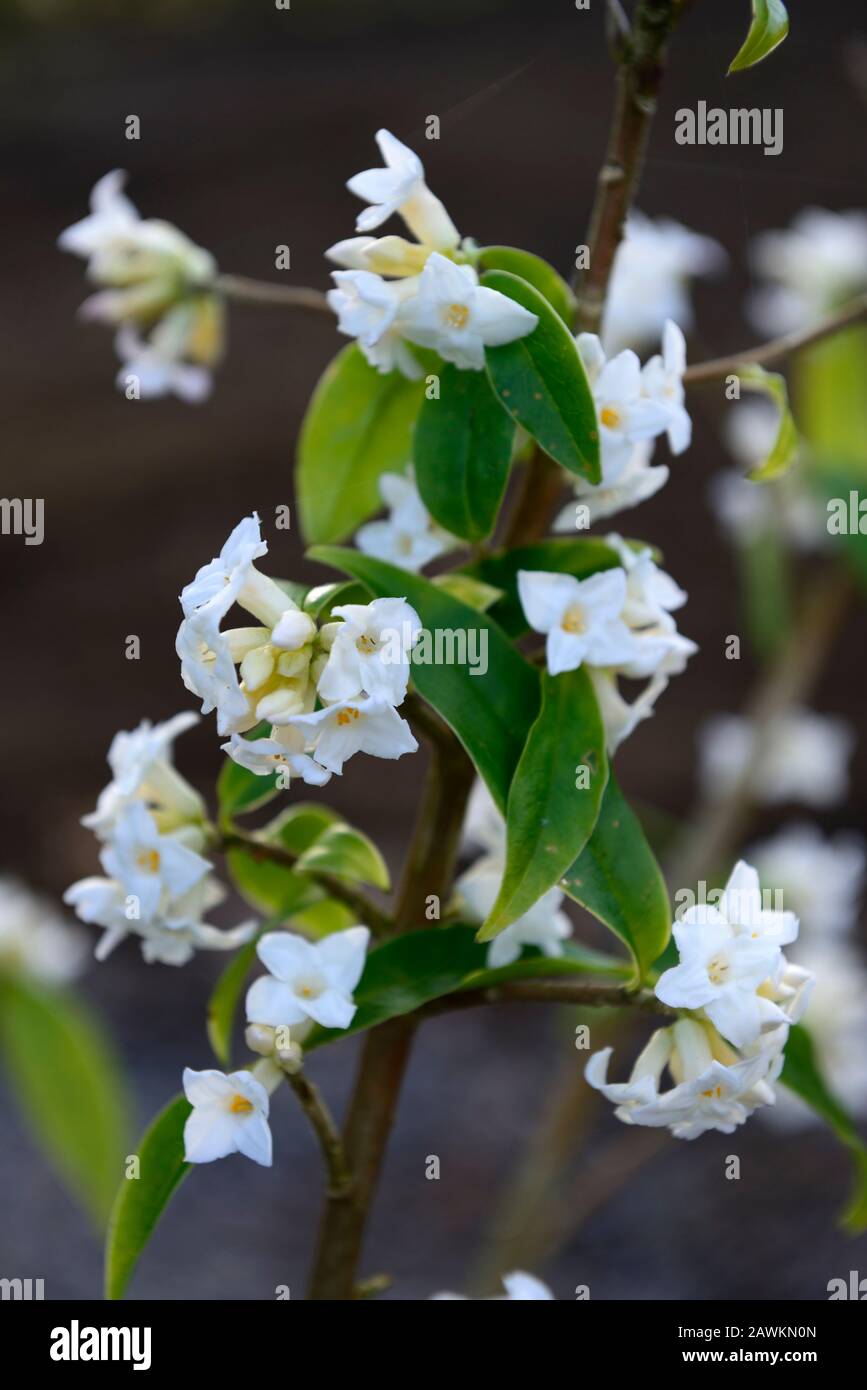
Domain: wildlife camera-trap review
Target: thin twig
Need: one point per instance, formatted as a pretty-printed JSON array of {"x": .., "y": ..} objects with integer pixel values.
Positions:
[
  {"x": 364, "y": 908},
  {"x": 247, "y": 291},
  {"x": 340, "y": 1180},
  {"x": 850, "y": 313}
]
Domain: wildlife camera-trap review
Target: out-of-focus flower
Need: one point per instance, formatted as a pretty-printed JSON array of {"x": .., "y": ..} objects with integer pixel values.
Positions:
[
  {"x": 544, "y": 926},
  {"x": 308, "y": 979},
  {"x": 408, "y": 538},
  {"x": 653, "y": 267},
  {"x": 520, "y": 1288},
  {"x": 821, "y": 878},
  {"x": 35, "y": 940},
  {"x": 815, "y": 265},
  {"x": 747, "y": 511},
  {"x": 484, "y": 827},
  {"x": 177, "y": 357},
  {"x": 143, "y": 769},
  {"x": 230, "y": 1115},
  {"x": 802, "y": 757}
]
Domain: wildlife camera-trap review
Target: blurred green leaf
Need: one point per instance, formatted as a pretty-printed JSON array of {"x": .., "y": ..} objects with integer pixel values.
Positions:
[
  {"x": 785, "y": 446},
  {"x": 766, "y": 584},
  {"x": 62, "y": 1071},
  {"x": 769, "y": 26},
  {"x": 358, "y": 425},
  {"x": 536, "y": 271},
  {"x": 802, "y": 1075},
  {"x": 540, "y": 379},
  {"x": 462, "y": 453},
  {"x": 550, "y": 814},
  {"x": 832, "y": 403},
  {"x": 300, "y": 825},
  {"x": 273, "y": 889},
  {"x": 223, "y": 1003},
  {"x": 141, "y": 1201},
  {"x": 348, "y": 853}
]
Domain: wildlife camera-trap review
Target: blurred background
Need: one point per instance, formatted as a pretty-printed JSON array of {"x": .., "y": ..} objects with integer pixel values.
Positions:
[{"x": 252, "y": 118}]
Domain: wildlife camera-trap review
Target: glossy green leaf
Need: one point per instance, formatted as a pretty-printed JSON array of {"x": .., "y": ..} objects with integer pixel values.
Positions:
[
  {"x": 323, "y": 918},
  {"x": 617, "y": 878},
  {"x": 273, "y": 889},
  {"x": 319, "y": 601},
  {"x": 301, "y": 824},
  {"x": 358, "y": 425},
  {"x": 490, "y": 712},
  {"x": 348, "y": 853},
  {"x": 802, "y": 1075},
  {"x": 579, "y": 557},
  {"x": 473, "y": 592},
  {"x": 141, "y": 1201},
  {"x": 769, "y": 26},
  {"x": 240, "y": 791},
  {"x": 403, "y": 974},
  {"x": 62, "y": 1071},
  {"x": 462, "y": 453},
  {"x": 540, "y": 379},
  {"x": 536, "y": 271},
  {"x": 554, "y": 798},
  {"x": 785, "y": 445}
]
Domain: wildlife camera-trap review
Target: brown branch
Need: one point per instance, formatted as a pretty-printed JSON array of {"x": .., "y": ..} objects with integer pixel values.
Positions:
[
  {"x": 247, "y": 291},
  {"x": 364, "y": 908},
  {"x": 339, "y": 1174},
  {"x": 851, "y": 313}
]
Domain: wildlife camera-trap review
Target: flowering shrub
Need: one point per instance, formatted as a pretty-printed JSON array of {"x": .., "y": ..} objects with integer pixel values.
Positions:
[{"x": 465, "y": 403}]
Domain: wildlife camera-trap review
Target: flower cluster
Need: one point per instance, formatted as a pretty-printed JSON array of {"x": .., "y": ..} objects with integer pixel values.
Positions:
[
  {"x": 634, "y": 406},
  {"x": 617, "y": 623},
  {"x": 153, "y": 831},
  {"x": 154, "y": 282},
  {"x": 358, "y": 668},
  {"x": 740, "y": 995},
  {"x": 307, "y": 983},
  {"x": 428, "y": 299}
]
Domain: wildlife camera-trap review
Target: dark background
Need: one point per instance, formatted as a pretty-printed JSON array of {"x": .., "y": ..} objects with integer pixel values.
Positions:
[{"x": 252, "y": 119}]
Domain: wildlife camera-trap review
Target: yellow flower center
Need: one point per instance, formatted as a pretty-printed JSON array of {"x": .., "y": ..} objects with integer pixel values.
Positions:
[
  {"x": 718, "y": 970},
  {"x": 573, "y": 619},
  {"x": 456, "y": 315},
  {"x": 714, "y": 1091},
  {"x": 240, "y": 1105},
  {"x": 348, "y": 716},
  {"x": 609, "y": 417},
  {"x": 366, "y": 644},
  {"x": 149, "y": 860}
]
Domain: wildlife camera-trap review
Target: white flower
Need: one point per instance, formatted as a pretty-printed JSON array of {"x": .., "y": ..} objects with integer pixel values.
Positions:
[
  {"x": 621, "y": 487},
  {"x": 172, "y": 938},
  {"x": 662, "y": 380},
  {"x": 651, "y": 594},
  {"x": 158, "y": 367},
  {"x": 650, "y": 280},
  {"x": 308, "y": 979},
  {"x": 624, "y": 410},
  {"x": 544, "y": 926},
  {"x": 619, "y": 717},
  {"x": 367, "y": 307},
  {"x": 355, "y": 726},
  {"x": 822, "y": 878},
  {"x": 274, "y": 658},
  {"x": 409, "y": 538},
  {"x": 230, "y": 1115},
  {"x": 400, "y": 188},
  {"x": 387, "y": 255},
  {"x": 802, "y": 757},
  {"x": 483, "y": 824},
  {"x": 152, "y": 868},
  {"x": 35, "y": 939},
  {"x": 709, "y": 1093},
  {"x": 142, "y": 768},
  {"x": 580, "y": 617},
  {"x": 457, "y": 317},
  {"x": 283, "y": 752},
  {"x": 371, "y": 651},
  {"x": 816, "y": 265},
  {"x": 520, "y": 1288},
  {"x": 747, "y": 511},
  {"x": 727, "y": 954}
]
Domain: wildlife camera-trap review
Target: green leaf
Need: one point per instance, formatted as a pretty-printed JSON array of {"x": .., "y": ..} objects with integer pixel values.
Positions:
[
  {"x": 141, "y": 1201},
  {"x": 462, "y": 453},
  {"x": 274, "y": 889},
  {"x": 770, "y": 25},
  {"x": 240, "y": 791},
  {"x": 541, "y": 381},
  {"x": 358, "y": 425},
  {"x": 802, "y": 1075},
  {"x": 323, "y": 918},
  {"x": 536, "y": 272},
  {"x": 348, "y": 853},
  {"x": 320, "y": 600},
  {"x": 785, "y": 446},
  {"x": 223, "y": 1003},
  {"x": 63, "y": 1073},
  {"x": 832, "y": 403},
  {"x": 765, "y": 568},
  {"x": 300, "y": 825},
  {"x": 473, "y": 592},
  {"x": 579, "y": 557},
  {"x": 490, "y": 712},
  {"x": 403, "y": 974},
  {"x": 617, "y": 878},
  {"x": 551, "y": 814}
]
